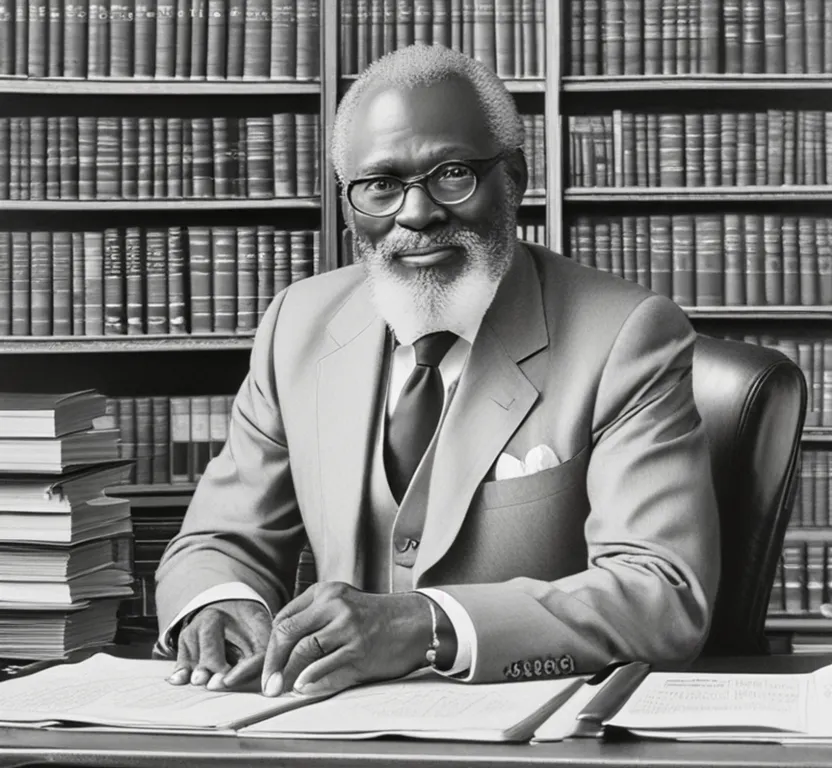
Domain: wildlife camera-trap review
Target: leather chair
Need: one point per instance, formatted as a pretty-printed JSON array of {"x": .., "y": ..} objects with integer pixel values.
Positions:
[{"x": 752, "y": 400}]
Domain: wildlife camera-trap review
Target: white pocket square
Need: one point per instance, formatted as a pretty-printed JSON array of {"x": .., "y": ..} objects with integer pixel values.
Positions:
[{"x": 537, "y": 459}]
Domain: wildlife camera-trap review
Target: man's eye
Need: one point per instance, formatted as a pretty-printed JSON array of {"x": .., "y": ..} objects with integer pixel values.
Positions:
[
  {"x": 455, "y": 172},
  {"x": 380, "y": 185}
]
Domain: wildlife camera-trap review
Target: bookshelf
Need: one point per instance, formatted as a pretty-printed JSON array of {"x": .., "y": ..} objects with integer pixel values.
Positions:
[{"x": 721, "y": 115}]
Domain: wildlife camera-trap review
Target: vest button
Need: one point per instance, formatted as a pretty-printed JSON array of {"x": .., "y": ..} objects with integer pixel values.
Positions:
[{"x": 405, "y": 544}]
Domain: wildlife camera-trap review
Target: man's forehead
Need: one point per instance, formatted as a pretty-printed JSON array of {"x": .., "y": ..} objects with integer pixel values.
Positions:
[{"x": 393, "y": 121}]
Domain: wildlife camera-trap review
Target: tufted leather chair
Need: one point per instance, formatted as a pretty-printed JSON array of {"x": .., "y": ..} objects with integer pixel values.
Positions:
[{"x": 752, "y": 400}]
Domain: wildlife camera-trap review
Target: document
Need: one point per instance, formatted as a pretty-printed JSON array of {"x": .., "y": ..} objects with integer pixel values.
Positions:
[
  {"x": 730, "y": 707},
  {"x": 129, "y": 693},
  {"x": 427, "y": 708}
]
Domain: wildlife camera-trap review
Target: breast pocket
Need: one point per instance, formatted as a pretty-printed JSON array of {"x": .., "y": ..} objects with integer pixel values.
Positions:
[{"x": 516, "y": 491}]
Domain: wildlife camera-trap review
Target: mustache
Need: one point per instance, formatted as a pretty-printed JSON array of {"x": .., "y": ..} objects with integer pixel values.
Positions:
[{"x": 402, "y": 239}]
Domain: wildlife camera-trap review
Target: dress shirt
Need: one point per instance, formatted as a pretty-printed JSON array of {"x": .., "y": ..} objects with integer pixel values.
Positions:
[{"x": 402, "y": 364}]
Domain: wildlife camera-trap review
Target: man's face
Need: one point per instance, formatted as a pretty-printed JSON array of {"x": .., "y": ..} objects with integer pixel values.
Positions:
[{"x": 430, "y": 266}]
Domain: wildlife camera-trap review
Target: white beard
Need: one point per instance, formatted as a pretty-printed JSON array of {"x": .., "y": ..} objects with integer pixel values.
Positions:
[{"x": 428, "y": 300}]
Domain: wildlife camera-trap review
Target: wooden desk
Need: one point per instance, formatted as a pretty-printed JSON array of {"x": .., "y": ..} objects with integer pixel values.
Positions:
[{"x": 23, "y": 747}]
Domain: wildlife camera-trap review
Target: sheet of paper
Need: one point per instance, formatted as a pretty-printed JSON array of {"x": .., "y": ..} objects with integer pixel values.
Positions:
[
  {"x": 721, "y": 701},
  {"x": 426, "y": 705},
  {"x": 563, "y": 722},
  {"x": 112, "y": 691}
]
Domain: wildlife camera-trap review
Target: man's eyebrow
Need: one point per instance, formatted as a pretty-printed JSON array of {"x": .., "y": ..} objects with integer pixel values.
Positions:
[{"x": 385, "y": 165}]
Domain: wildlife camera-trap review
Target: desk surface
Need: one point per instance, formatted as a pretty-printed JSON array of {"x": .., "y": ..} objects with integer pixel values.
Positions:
[{"x": 19, "y": 747}]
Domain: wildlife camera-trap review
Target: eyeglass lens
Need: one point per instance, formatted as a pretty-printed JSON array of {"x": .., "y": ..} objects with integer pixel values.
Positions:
[{"x": 448, "y": 184}]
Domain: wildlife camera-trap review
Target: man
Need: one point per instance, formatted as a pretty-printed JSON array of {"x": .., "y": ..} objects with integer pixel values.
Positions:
[{"x": 527, "y": 495}]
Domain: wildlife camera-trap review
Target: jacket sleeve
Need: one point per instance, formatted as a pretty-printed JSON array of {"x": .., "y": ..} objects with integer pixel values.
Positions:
[
  {"x": 243, "y": 523},
  {"x": 652, "y": 532}
]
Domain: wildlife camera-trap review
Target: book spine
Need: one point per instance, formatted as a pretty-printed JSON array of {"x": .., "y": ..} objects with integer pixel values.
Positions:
[
  {"x": 173, "y": 151},
  {"x": 709, "y": 261},
  {"x": 308, "y": 35},
  {"x": 115, "y": 315},
  {"x": 683, "y": 260},
  {"x": 824, "y": 250},
  {"x": 282, "y": 264},
  {"x": 37, "y": 158},
  {"x": 156, "y": 266},
  {"x": 791, "y": 262},
  {"x": 260, "y": 163},
  {"x": 348, "y": 37},
  {"x": 300, "y": 255},
  {"x": 200, "y": 435},
  {"x": 94, "y": 274},
  {"x": 732, "y": 26},
  {"x": 202, "y": 299},
  {"x": 55, "y": 35},
  {"x": 265, "y": 268},
  {"x": 216, "y": 59},
  {"x": 404, "y": 22},
  {"x": 813, "y": 12},
  {"x": 5, "y": 283},
  {"x": 6, "y": 38},
  {"x": 144, "y": 182},
  {"x": 388, "y": 11},
  {"x": 176, "y": 281},
  {"x": 38, "y": 37},
  {"x": 134, "y": 273},
  {"x": 160, "y": 440},
  {"x": 144, "y": 64},
  {"x": 127, "y": 432},
  {"x": 774, "y": 25},
  {"x": 441, "y": 24},
  {"x": 305, "y": 154},
  {"x": 122, "y": 36},
  {"x": 284, "y": 41},
  {"x": 222, "y": 157},
  {"x": 203, "y": 155},
  {"x": 129, "y": 158},
  {"x": 734, "y": 261},
  {"x": 21, "y": 284},
  {"x": 773, "y": 250},
  {"x": 362, "y": 31},
  {"x": 108, "y": 159},
  {"x": 504, "y": 23},
  {"x": 165, "y": 48},
  {"x": 78, "y": 284},
  {"x": 224, "y": 279},
  {"x": 180, "y": 438},
  {"x": 807, "y": 261},
  {"x": 144, "y": 439},
  {"x": 21, "y": 37},
  {"x": 755, "y": 291},
  {"x": 160, "y": 160},
  {"x": 61, "y": 284},
  {"x": 53, "y": 158},
  {"x": 795, "y": 37},
  {"x": 258, "y": 25},
  {"x": 199, "y": 39},
  {"x": 183, "y": 45},
  {"x": 40, "y": 299},
  {"x": 246, "y": 279},
  {"x": 218, "y": 423},
  {"x": 5, "y": 158}
]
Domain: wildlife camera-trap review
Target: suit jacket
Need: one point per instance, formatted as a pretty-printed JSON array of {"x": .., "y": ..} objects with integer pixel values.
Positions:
[{"x": 612, "y": 554}]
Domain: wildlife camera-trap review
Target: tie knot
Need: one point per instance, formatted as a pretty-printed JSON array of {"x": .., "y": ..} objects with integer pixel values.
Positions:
[{"x": 432, "y": 348}]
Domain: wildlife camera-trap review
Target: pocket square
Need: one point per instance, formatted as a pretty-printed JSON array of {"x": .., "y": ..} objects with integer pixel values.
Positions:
[{"x": 537, "y": 459}]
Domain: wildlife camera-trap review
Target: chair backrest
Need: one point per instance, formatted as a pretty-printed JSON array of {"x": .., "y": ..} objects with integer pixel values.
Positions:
[{"x": 752, "y": 400}]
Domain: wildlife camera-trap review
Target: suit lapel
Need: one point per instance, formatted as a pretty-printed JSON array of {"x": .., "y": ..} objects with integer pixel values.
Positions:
[
  {"x": 491, "y": 401},
  {"x": 348, "y": 408}
]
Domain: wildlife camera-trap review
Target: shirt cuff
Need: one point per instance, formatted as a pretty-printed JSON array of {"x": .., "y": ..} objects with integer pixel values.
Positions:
[
  {"x": 233, "y": 590},
  {"x": 466, "y": 635}
]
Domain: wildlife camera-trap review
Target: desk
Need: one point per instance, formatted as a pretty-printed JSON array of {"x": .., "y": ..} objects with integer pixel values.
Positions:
[{"x": 19, "y": 747}]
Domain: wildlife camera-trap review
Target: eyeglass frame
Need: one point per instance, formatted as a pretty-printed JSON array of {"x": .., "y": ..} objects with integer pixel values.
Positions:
[{"x": 479, "y": 166}]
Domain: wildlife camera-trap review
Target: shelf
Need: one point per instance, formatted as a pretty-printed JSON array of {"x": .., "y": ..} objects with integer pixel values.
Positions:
[
  {"x": 809, "y": 535},
  {"x": 798, "y": 624},
  {"x": 803, "y": 193},
  {"x": 759, "y": 313},
  {"x": 155, "y": 495},
  {"x": 147, "y": 343},
  {"x": 638, "y": 83},
  {"x": 817, "y": 435},
  {"x": 147, "y": 87},
  {"x": 514, "y": 85},
  {"x": 533, "y": 200},
  {"x": 213, "y": 204}
]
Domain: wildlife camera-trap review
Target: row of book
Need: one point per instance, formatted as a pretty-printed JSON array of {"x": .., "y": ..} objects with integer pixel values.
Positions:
[
  {"x": 713, "y": 260},
  {"x": 532, "y": 233},
  {"x": 509, "y": 36},
  {"x": 534, "y": 128},
  {"x": 185, "y": 39},
  {"x": 169, "y": 439},
  {"x": 813, "y": 502},
  {"x": 678, "y": 37},
  {"x": 109, "y": 158},
  {"x": 803, "y": 579},
  {"x": 713, "y": 149},
  {"x": 814, "y": 358},
  {"x": 136, "y": 281}
]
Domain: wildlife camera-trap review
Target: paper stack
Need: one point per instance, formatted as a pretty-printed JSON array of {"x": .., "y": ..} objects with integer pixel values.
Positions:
[{"x": 64, "y": 545}]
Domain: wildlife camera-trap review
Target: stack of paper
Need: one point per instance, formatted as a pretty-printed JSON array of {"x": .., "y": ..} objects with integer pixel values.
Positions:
[
  {"x": 64, "y": 545},
  {"x": 781, "y": 708}
]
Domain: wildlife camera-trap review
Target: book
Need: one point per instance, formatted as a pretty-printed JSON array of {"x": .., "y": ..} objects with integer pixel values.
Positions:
[
  {"x": 54, "y": 455},
  {"x": 97, "y": 518},
  {"x": 688, "y": 706},
  {"x": 133, "y": 694},
  {"x": 48, "y": 415}
]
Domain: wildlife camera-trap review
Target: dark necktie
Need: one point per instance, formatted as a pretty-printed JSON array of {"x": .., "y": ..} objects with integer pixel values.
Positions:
[{"x": 416, "y": 416}]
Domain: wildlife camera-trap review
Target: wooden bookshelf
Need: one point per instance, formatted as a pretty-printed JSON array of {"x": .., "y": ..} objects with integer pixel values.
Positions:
[
  {"x": 799, "y": 313},
  {"x": 778, "y": 623},
  {"x": 687, "y": 83},
  {"x": 817, "y": 435},
  {"x": 178, "y": 205},
  {"x": 514, "y": 85},
  {"x": 124, "y": 344},
  {"x": 147, "y": 87}
]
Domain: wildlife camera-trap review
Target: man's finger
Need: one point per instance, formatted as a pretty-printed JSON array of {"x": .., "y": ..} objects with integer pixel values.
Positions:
[
  {"x": 310, "y": 650},
  {"x": 286, "y": 634},
  {"x": 185, "y": 657},
  {"x": 330, "y": 674},
  {"x": 245, "y": 675},
  {"x": 211, "y": 646},
  {"x": 300, "y": 603}
]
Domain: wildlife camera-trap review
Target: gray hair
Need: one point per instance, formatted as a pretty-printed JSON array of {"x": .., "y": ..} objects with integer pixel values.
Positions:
[{"x": 420, "y": 65}]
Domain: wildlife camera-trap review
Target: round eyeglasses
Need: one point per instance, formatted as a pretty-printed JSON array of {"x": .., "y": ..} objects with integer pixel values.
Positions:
[{"x": 449, "y": 183}]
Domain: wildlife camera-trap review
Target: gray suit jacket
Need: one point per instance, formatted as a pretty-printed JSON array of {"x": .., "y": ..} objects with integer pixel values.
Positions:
[{"x": 612, "y": 554}]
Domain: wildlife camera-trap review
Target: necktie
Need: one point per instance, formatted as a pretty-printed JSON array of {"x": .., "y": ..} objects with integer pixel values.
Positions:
[{"x": 416, "y": 416}]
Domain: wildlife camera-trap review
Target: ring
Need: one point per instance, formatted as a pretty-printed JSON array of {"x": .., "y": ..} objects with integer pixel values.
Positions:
[{"x": 318, "y": 645}]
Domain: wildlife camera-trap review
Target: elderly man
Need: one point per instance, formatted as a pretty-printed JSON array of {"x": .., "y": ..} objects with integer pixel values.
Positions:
[{"x": 493, "y": 451}]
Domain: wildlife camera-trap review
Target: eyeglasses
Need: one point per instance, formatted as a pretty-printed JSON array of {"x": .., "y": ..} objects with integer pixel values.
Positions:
[{"x": 449, "y": 183}]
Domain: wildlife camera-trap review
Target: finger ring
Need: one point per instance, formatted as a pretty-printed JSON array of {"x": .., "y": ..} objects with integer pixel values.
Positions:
[{"x": 318, "y": 645}]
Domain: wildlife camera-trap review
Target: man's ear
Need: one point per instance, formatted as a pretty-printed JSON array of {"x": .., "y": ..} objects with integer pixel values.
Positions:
[
  {"x": 518, "y": 170},
  {"x": 346, "y": 208}
]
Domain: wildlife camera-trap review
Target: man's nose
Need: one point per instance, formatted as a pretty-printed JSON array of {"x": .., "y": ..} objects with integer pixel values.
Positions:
[{"x": 419, "y": 211}]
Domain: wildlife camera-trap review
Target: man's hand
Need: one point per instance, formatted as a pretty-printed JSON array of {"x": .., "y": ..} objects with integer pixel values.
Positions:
[
  {"x": 334, "y": 636},
  {"x": 223, "y": 646}
]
